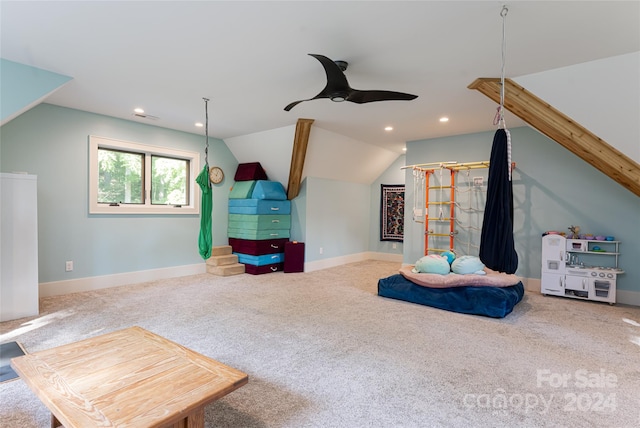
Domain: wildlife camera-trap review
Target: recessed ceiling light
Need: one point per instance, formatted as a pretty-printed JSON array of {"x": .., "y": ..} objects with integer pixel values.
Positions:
[
  {"x": 388, "y": 128},
  {"x": 444, "y": 119},
  {"x": 199, "y": 124},
  {"x": 138, "y": 110}
]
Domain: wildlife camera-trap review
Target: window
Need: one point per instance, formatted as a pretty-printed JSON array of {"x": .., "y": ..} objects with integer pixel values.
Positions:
[{"x": 131, "y": 178}]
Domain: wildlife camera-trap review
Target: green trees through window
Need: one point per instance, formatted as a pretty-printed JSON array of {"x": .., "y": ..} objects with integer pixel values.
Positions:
[
  {"x": 132, "y": 178},
  {"x": 120, "y": 177},
  {"x": 169, "y": 181}
]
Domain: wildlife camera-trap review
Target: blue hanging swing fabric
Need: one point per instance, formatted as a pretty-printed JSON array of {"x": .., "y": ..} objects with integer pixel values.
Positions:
[
  {"x": 497, "y": 249},
  {"x": 205, "y": 240}
]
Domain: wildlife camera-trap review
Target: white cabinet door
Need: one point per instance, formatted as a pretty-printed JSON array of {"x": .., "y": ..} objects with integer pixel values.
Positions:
[
  {"x": 552, "y": 283},
  {"x": 602, "y": 290},
  {"x": 18, "y": 246},
  {"x": 579, "y": 283},
  {"x": 553, "y": 253},
  {"x": 577, "y": 286}
]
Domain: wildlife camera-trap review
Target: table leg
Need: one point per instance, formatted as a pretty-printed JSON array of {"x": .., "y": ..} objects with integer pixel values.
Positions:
[
  {"x": 194, "y": 420},
  {"x": 55, "y": 423}
]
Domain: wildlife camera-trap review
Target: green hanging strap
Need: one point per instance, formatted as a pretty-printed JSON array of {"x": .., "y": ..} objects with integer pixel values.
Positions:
[{"x": 206, "y": 133}]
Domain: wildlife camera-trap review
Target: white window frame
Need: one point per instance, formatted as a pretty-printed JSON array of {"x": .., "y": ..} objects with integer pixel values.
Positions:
[{"x": 96, "y": 143}]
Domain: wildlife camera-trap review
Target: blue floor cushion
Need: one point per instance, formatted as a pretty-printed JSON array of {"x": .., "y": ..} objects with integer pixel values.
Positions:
[{"x": 495, "y": 302}]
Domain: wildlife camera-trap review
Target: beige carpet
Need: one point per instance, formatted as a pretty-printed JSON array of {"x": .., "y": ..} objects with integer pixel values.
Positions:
[{"x": 323, "y": 350}]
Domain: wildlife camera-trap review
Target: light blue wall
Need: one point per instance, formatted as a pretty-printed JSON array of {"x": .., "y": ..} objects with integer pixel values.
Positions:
[
  {"x": 23, "y": 85},
  {"x": 552, "y": 189},
  {"x": 299, "y": 214},
  {"x": 52, "y": 143},
  {"x": 393, "y": 175},
  {"x": 338, "y": 218}
]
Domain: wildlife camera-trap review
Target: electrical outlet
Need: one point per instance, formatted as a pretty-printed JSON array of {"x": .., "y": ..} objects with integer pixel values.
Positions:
[
  {"x": 68, "y": 266},
  {"x": 394, "y": 245},
  {"x": 321, "y": 250}
]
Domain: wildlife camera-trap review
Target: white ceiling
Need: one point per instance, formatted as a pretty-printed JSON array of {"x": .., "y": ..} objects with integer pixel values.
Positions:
[{"x": 250, "y": 58}]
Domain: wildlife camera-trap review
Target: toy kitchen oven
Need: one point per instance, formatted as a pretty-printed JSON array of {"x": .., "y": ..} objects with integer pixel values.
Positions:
[{"x": 580, "y": 268}]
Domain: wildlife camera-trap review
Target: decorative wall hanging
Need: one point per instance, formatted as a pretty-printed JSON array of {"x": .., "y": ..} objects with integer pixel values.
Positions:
[{"x": 392, "y": 212}]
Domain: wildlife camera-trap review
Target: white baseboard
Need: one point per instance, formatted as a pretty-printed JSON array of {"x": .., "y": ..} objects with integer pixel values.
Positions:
[
  {"x": 531, "y": 284},
  {"x": 56, "y": 288},
  {"x": 623, "y": 297},
  {"x": 385, "y": 257},
  {"x": 351, "y": 258},
  {"x": 626, "y": 297}
]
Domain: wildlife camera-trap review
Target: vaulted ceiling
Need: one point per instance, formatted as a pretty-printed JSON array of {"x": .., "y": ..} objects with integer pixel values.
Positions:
[{"x": 250, "y": 58}]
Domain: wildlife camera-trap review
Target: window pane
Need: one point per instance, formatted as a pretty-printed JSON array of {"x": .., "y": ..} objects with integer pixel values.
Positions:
[
  {"x": 120, "y": 177},
  {"x": 169, "y": 178}
]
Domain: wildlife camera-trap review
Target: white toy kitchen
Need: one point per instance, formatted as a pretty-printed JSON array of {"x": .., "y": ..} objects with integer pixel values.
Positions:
[{"x": 584, "y": 269}]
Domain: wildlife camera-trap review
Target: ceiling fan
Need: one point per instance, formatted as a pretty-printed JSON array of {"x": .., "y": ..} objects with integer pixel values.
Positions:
[{"x": 338, "y": 88}]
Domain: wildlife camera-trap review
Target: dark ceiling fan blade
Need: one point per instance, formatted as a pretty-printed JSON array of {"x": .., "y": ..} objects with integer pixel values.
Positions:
[
  {"x": 295, "y": 103},
  {"x": 336, "y": 80},
  {"x": 338, "y": 89},
  {"x": 361, "y": 97},
  {"x": 337, "y": 85}
]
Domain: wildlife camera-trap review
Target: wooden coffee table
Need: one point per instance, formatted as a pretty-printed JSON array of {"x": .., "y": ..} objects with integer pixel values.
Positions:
[{"x": 130, "y": 377}]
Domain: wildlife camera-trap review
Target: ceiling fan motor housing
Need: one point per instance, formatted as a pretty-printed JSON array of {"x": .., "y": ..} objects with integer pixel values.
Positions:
[{"x": 342, "y": 65}]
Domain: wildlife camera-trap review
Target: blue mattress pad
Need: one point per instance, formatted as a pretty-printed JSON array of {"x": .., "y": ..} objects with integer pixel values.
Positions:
[{"x": 495, "y": 302}]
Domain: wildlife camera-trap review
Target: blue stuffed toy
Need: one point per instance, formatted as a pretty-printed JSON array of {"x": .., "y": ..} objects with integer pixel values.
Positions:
[{"x": 449, "y": 255}]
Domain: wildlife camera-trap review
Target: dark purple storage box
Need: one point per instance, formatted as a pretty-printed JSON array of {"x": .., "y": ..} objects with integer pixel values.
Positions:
[
  {"x": 258, "y": 247},
  {"x": 259, "y": 270},
  {"x": 250, "y": 171},
  {"x": 294, "y": 257}
]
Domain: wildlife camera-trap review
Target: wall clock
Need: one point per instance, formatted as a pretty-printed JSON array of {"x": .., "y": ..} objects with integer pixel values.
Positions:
[{"x": 216, "y": 175}]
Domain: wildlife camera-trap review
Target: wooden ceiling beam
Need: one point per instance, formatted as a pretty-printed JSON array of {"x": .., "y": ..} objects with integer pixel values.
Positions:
[
  {"x": 562, "y": 129},
  {"x": 298, "y": 154}
]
